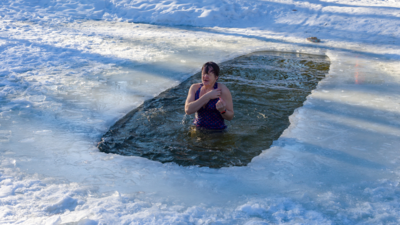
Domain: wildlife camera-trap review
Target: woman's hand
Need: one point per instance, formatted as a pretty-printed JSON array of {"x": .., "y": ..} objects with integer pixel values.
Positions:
[
  {"x": 221, "y": 105},
  {"x": 213, "y": 94}
]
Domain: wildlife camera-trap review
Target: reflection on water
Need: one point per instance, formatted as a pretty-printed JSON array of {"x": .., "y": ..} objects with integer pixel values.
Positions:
[{"x": 266, "y": 88}]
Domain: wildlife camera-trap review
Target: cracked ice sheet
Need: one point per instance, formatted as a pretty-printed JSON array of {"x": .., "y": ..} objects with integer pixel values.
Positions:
[{"x": 65, "y": 85}]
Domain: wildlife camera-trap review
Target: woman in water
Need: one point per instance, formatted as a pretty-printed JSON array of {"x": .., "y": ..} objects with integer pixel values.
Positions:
[{"x": 211, "y": 101}]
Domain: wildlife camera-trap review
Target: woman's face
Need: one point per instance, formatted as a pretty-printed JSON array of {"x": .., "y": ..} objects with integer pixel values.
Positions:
[{"x": 208, "y": 78}]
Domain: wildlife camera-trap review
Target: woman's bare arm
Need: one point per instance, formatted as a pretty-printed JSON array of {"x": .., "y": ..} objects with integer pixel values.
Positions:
[
  {"x": 192, "y": 106},
  {"x": 226, "y": 97}
]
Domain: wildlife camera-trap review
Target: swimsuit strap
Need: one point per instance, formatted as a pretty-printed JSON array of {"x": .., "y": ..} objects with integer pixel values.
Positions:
[{"x": 197, "y": 95}]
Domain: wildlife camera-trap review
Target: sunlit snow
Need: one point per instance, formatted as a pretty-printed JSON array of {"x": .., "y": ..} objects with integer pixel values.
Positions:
[{"x": 70, "y": 69}]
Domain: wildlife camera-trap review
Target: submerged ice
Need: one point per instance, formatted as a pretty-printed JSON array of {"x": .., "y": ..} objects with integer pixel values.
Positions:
[{"x": 266, "y": 89}]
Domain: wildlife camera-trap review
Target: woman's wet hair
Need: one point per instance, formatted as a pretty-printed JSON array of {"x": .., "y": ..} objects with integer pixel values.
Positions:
[{"x": 206, "y": 68}]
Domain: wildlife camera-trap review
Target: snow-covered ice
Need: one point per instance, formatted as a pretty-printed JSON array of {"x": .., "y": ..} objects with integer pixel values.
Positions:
[{"x": 70, "y": 69}]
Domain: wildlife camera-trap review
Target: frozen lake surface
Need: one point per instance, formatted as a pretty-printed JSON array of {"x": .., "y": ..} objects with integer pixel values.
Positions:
[{"x": 70, "y": 70}]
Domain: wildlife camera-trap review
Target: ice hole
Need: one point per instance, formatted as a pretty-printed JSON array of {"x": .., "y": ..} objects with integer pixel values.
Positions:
[{"x": 266, "y": 88}]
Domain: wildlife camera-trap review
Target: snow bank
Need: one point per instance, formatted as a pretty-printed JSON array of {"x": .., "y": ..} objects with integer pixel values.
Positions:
[{"x": 377, "y": 19}]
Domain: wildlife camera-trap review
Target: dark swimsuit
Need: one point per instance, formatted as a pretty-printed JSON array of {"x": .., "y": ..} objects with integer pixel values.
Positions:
[{"x": 208, "y": 116}]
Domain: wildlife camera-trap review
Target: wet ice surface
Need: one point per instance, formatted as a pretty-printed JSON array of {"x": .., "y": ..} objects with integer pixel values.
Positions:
[
  {"x": 266, "y": 88},
  {"x": 63, "y": 86}
]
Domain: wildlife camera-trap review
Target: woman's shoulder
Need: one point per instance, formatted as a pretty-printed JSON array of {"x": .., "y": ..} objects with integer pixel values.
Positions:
[
  {"x": 222, "y": 86},
  {"x": 195, "y": 86}
]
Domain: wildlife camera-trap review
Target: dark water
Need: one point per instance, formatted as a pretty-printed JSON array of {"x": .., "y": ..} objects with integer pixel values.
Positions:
[{"x": 266, "y": 88}]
